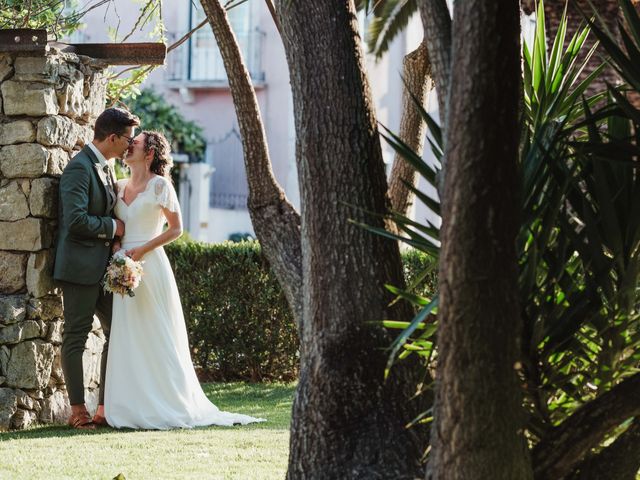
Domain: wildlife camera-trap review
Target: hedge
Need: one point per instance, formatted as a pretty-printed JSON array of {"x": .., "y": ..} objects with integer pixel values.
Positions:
[{"x": 239, "y": 323}]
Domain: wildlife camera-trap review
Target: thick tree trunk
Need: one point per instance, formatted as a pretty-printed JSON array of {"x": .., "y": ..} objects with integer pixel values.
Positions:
[
  {"x": 347, "y": 421},
  {"x": 619, "y": 461},
  {"x": 274, "y": 219},
  {"x": 478, "y": 423},
  {"x": 417, "y": 78},
  {"x": 562, "y": 450}
]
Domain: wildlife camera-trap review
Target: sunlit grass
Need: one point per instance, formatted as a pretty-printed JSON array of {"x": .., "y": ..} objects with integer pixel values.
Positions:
[{"x": 244, "y": 452}]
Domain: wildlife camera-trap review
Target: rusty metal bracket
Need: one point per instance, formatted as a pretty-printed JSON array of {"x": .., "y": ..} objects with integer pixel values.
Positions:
[
  {"x": 121, "y": 53},
  {"x": 23, "y": 40}
]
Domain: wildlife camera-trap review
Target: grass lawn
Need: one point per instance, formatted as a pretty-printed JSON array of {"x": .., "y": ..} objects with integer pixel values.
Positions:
[{"x": 256, "y": 451}]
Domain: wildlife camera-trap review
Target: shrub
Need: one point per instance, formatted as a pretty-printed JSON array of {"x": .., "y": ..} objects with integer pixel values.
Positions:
[{"x": 238, "y": 320}]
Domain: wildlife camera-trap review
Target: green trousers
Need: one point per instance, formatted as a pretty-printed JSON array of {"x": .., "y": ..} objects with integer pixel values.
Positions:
[{"x": 80, "y": 303}]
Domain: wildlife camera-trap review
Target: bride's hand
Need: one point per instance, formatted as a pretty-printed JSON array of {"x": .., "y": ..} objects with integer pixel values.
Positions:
[
  {"x": 135, "y": 253},
  {"x": 115, "y": 246}
]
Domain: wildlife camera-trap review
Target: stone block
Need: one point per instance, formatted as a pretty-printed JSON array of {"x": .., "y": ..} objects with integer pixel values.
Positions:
[
  {"x": 6, "y": 67},
  {"x": 54, "y": 334},
  {"x": 91, "y": 361},
  {"x": 24, "y": 98},
  {"x": 56, "y": 370},
  {"x": 13, "y": 269},
  {"x": 2, "y": 379},
  {"x": 71, "y": 95},
  {"x": 37, "y": 69},
  {"x": 43, "y": 199},
  {"x": 24, "y": 400},
  {"x": 23, "y": 419},
  {"x": 95, "y": 92},
  {"x": 84, "y": 134},
  {"x": 20, "y": 131},
  {"x": 57, "y": 131},
  {"x": 30, "y": 364},
  {"x": 19, "y": 331},
  {"x": 39, "y": 273},
  {"x": 13, "y": 202},
  {"x": 29, "y": 234},
  {"x": 58, "y": 159},
  {"x": 13, "y": 308},
  {"x": 45, "y": 308},
  {"x": 5, "y": 353},
  {"x": 55, "y": 408},
  {"x": 23, "y": 160},
  {"x": 8, "y": 407}
]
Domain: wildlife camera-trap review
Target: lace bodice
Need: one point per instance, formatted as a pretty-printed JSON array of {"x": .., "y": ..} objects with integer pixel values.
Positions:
[{"x": 143, "y": 217}]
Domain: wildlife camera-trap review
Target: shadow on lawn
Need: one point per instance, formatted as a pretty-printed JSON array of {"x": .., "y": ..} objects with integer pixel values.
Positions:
[{"x": 271, "y": 401}]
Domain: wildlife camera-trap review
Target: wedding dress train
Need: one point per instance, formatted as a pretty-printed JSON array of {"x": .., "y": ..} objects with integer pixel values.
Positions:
[{"x": 151, "y": 382}]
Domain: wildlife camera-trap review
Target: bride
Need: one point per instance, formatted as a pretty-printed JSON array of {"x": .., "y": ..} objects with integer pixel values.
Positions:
[{"x": 150, "y": 381}]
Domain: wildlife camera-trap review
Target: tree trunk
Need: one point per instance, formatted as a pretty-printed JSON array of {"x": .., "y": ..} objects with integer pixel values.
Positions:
[
  {"x": 619, "y": 461},
  {"x": 274, "y": 219},
  {"x": 478, "y": 416},
  {"x": 347, "y": 421},
  {"x": 416, "y": 74}
]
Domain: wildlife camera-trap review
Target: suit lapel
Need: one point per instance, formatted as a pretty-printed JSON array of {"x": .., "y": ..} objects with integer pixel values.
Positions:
[{"x": 108, "y": 192}]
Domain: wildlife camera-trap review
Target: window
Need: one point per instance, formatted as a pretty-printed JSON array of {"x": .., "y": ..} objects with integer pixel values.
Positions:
[{"x": 201, "y": 60}]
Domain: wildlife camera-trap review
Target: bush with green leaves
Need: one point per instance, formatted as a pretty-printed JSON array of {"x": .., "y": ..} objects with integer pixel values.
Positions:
[{"x": 239, "y": 323}]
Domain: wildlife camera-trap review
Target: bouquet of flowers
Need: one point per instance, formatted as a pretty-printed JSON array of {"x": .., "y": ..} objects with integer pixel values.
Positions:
[{"x": 123, "y": 275}]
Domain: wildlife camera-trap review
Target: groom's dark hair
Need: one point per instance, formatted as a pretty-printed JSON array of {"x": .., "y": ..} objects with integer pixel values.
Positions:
[{"x": 114, "y": 120}]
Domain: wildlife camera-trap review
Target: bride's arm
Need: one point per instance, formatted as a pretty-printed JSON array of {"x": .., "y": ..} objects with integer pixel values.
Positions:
[{"x": 169, "y": 235}]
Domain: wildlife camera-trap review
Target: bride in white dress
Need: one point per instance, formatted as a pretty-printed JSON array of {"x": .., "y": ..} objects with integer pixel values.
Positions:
[{"x": 150, "y": 381}]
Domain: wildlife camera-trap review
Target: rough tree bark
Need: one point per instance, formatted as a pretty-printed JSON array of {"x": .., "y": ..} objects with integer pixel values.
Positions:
[
  {"x": 417, "y": 77},
  {"x": 620, "y": 460},
  {"x": 436, "y": 22},
  {"x": 560, "y": 452},
  {"x": 347, "y": 422},
  {"x": 478, "y": 416},
  {"x": 274, "y": 219}
]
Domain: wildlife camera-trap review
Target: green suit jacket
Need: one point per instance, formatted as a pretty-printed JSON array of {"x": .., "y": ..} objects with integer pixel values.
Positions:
[{"x": 85, "y": 229}]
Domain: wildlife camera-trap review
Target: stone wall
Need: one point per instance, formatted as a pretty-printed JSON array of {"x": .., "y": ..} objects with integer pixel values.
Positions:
[{"x": 48, "y": 105}]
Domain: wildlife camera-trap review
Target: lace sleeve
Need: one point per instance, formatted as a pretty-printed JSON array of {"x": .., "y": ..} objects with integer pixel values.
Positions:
[{"x": 166, "y": 195}]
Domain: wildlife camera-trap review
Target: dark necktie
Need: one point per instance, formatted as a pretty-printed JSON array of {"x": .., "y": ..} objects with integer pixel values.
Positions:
[{"x": 111, "y": 182}]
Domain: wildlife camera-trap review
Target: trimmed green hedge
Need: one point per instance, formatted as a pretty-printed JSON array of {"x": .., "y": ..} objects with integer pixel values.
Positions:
[{"x": 239, "y": 323}]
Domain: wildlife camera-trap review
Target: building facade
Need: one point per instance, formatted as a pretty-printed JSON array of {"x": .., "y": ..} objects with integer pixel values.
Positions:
[{"x": 214, "y": 192}]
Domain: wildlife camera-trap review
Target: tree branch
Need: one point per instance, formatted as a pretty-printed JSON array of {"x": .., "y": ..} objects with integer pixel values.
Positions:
[
  {"x": 272, "y": 11},
  {"x": 416, "y": 74},
  {"x": 275, "y": 220},
  {"x": 563, "y": 449},
  {"x": 436, "y": 21},
  {"x": 620, "y": 460}
]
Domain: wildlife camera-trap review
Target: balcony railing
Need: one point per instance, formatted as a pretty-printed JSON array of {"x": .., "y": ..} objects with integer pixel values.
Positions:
[{"x": 198, "y": 62}]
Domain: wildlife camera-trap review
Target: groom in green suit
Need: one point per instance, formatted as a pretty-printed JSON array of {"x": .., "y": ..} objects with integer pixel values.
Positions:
[{"x": 86, "y": 233}]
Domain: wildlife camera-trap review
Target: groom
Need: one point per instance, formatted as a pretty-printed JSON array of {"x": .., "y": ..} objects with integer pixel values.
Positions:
[{"x": 86, "y": 232}]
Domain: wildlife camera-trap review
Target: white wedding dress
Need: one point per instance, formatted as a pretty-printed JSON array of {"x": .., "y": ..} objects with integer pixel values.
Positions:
[{"x": 150, "y": 381}]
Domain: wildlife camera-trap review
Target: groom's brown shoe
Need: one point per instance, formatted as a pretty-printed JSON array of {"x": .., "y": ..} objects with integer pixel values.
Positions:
[
  {"x": 99, "y": 421},
  {"x": 81, "y": 421}
]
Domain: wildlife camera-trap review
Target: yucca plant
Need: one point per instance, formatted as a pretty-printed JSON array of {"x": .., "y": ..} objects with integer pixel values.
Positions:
[{"x": 579, "y": 237}]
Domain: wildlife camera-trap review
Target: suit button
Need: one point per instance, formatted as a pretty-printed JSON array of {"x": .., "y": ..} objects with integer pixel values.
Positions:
[{"x": 106, "y": 244}]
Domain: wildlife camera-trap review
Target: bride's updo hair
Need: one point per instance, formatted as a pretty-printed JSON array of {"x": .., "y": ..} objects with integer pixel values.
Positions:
[{"x": 162, "y": 161}]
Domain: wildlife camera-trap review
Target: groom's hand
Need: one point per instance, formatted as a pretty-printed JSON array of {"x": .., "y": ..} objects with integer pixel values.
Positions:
[{"x": 119, "y": 228}]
